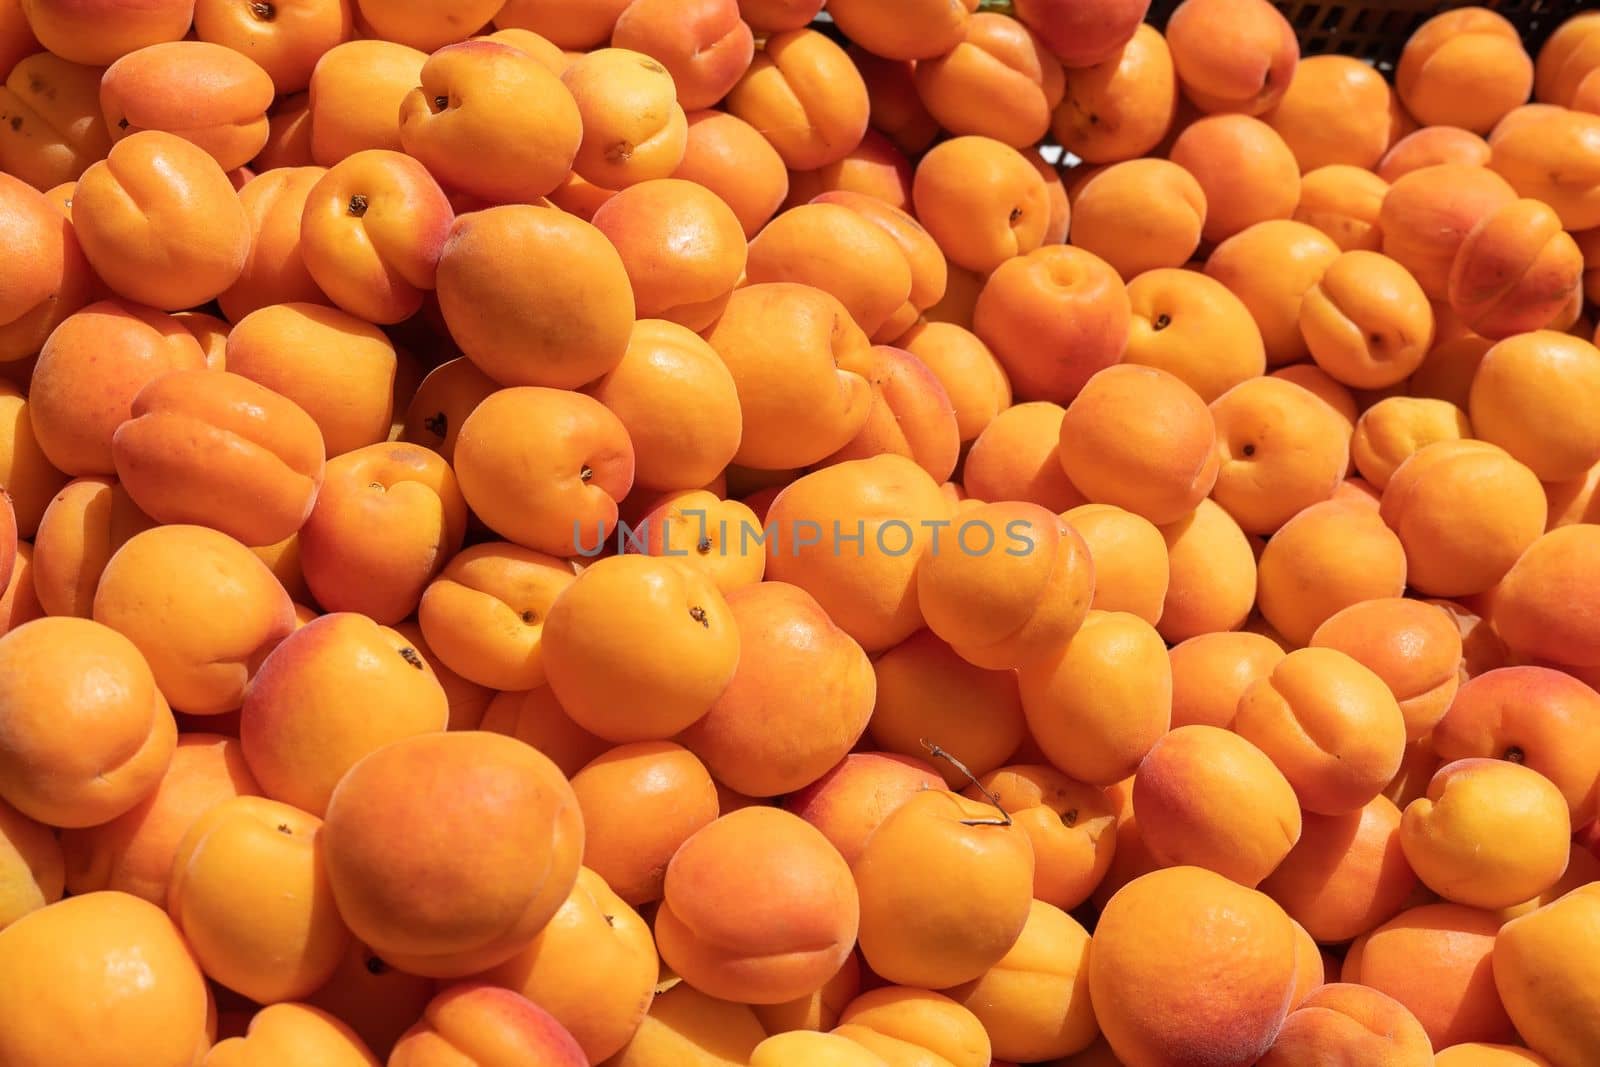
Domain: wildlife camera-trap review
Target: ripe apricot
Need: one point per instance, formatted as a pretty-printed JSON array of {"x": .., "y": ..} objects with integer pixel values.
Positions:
[
  {"x": 1396, "y": 428},
  {"x": 852, "y": 798},
  {"x": 492, "y": 121},
  {"x": 1179, "y": 314},
  {"x": 838, "y": 251},
  {"x": 1164, "y": 927},
  {"x": 1281, "y": 450},
  {"x": 1488, "y": 833},
  {"x": 714, "y": 536},
  {"x": 1432, "y": 145},
  {"x": 798, "y": 700},
  {"x": 387, "y": 518},
  {"x": 286, "y": 39},
  {"x": 508, "y": 863},
  {"x": 687, "y": 1026},
  {"x": 705, "y": 46},
  {"x": 251, "y": 896},
  {"x": 1243, "y": 167},
  {"x": 576, "y": 485},
  {"x": 1514, "y": 271},
  {"x": 1129, "y": 558},
  {"x": 1139, "y": 215},
  {"x": 1335, "y": 111},
  {"x": 101, "y": 31},
  {"x": 1367, "y": 322},
  {"x": 1327, "y": 557},
  {"x": 356, "y": 89},
  {"x": 918, "y": 930},
  {"x": 1464, "y": 510},
  {"x": 274, "y": 271},
  {"x": 1121, "y": 106},
  {"x": 1346, "y": 874},
  {"x": 1343, "y": 202},
  {"x": 372, "y": 233},
  {"x": 1162, "y": 478},
  {"x": 732, "y": 159},
  {"x": 1558, "y": 941},
  {"x": 76, "y": 757},
  {"x": 565, "y": 23},
  {"x": 1534, "y": 618},
  {"x": 981, "y": 200},
  {"x": 1018, "y": 457},
  {"x": 925, "y": 694},
  {"x": 338, "y": 368},
  {"x": 56, "y": 128},
  {"x": 682, "y": 247},
  {"x": 85, "y": 523},
  {"x": 758, "y": 947},
  {"x": 46, "y": 281},
  {"x": 632, "y": 126},
  {"x": 1414, "y": 647},
  {"x": 1071, "y": 826},
  {"x": 292, "y": 1031},
  {"x": 315, "y": 693},
  {"x": 1511, "y": 402},
  {"x": 1246, "y": 71},
  {"x": 1427, "y": 214},
  {"x": 157, "y": 1012},
  {"x": 442, "y": 402},
  {"x": 593, "y": 968},
  {"x": 466, "y": 1020},
  {"x": 1463, "y": 68},
  {"x": 911, "y": 415},
  {"x": 782, "y": 92},
  {"x": 205, "y": 93},
  {"x": 1270, "y": 266},
  {"x": 998, "y": 59},
  {"x": 1210, "y": 672},
  {"x": 31, "y": 858},
  {"x": 1054, "y": 317},
  {"x": 534, "y": 717},
  {"x": 1353, "y": 1021},
  {"x": 1211, "y": 574}
]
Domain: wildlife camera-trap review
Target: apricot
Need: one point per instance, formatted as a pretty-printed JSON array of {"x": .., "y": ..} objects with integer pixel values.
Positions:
[
  {"x": 1160, "y": 930},
  {"x": 717, "y": 537},
  {"x": 1121, "y": 106},
  {"x": 1210, "y": 672},
  {"x": 728, "y": 156},
  {"x": 1042, "y": 563},
  {"x": 1327, "y": 557},
  {"x": 1432, "y": 145},
  {"x": 442, "y": 402},
  {"x": 100, "y": 31},
  {"x": 1054, "y": 317},
  {"x": 338, "y": 368},
  {"x": 534, "y": 717},
  {"x": 927, "y": 693},
  {"x": 850, "y": 800},
  {"x": 1557, "y": 942},
  {"x": 1351, "y": 1021},
  {"x": 1414, "y": 647},
  {"x": 981, "y": 200},
  {"x": 1428, "y": 212},
  {"x": 19, "y": 601},
  {"x": 911, "y": 415},
  {"x": 792, "y": 1048},
  {"x": 475, "y": 1023},
  {"x": 1018, "y": 457},
  {"x": 250, "y": 893},
  {"x": 451, "y": 911},
  {"x": 491, "y": 121},
  {"x": 632, "y": 126},
  {"x": 1070, "y": 825},
  {"x": 1396, "y": 428},
  {"x": 292, "y": 1032},
  {"x": 1281, "y": 450},
  {"x": 47, "y": 281},
  {"x": 315, "y": 692},
  {"x": 285, "y": 40},
  {"x": 1481, "y": 1054},
  {"x": 1114, "y": 659},
  {"x": 1343, "y": 202},
  {"x": 356, "y": 89},
  {"x": 1347, "y": 874},
  {"x": 1436, "y": 960},
  {"x": 682, "y": 247},
  {"x": 1367, "y": 322},
  {"x": 1139, "y": 215},
  {"x": 1162, "y": 478},
  {"x": 901, "y": 1024},
  {"x": 387, "y": 519},
  {"x": 797, "y": 703},
  {"x": 75, "y": 756},
  {"x": 157, "y": 1011},
  {"x": 372, "y": 234},
  {"x": 1463, "y": 68},
  {"x": 1488, "y": 833},
  {"x": 838, "y": 251},
  {"x": 916, "y": 930},
  {"x": 995, "y": 58},
  {"x": 1270, "y": 266},
  {"x": 782, "y": 92},
  {"x": 1212, "y": 576},
  {"x": 377, "y": 1001},
  {"x": 705, "y": 46},
  {"x": 1243, "y": 168},
  {"x": 289, "y": 134},
  {"x": 56, "y": 128},
  {"x": 1515, "y": 271},
  {"x": 83, "y": 526},
  {"x": 205, "y": 93},
  {"x": 1521, "y": 375},
  {"x": 274, "y": 271},
  {"x": 1537, "y": 621},
  {"x": 1129, "y": 557},
  {"x": 30, "y": 480},
  {"x": 761, "y": 947},
  {"x": 31, "y": 859},
  {"x": 1335, "y": 111},
  {"x": 1179, "y": 314},
  {"x": 1464, "y": 511},
  {"x": 567, "y": 24},
  {"x": 686, "y": 1026}
]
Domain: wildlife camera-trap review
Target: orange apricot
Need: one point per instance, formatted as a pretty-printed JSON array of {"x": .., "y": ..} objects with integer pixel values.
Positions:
[
  {"x": 1464, "y": 511},
  {"x": 971, "y": 376},
  {"x": 728, "y": 156},
  {"x": 1327, "y": 557},
  {"x": 911, "y": 415},
  {"x": 1282, "y": 450},
  {"x": 632, "y": 126},
  {"x": 725, "y": 928},
  {"x": 1129, "y": 557},
  {"x": 205, "y": 93},
  {"x": 99, "y": 32},
  {"x": 1120, "y": 107},
  {"x": 1556, "y": 941},
  {"x": 1335, "y": 111},
  {"x": 56, "y": 128},
  {"x": 1541, "y": 607},
  {"x": 292, "y": 1031},
  {"x": 274, "y": 271},
  {"x": 1352, "y": 1021},
  {"x": 1343, "y": 202},
  {"x": 997, "y": 59},
  {"x": 1428, "y": 212},
  {"x": 355, "y": 93},
  {"x": 705, "y": 46},
  {"x": 31, "y": 858},
  {"x": 1270, "y": 266},
  {"x": 1432, "y": 145},
  {"x": 1139, "y": 215},
  {"x": 1071, "y": 826},
  {"x": 1347, "y": 874},
  {"x": 1510, "y": 402},
  {"x": 1367, "y": 322},
  {"x": 442, "y": 402},
  {"x": 1018, "y": 457},
  {"x": 1212, "y": 577},
  {"x": 1242, "y": 166},
  {"x": 1463, "y": 68},
  {"x": 783, "y": 93},
  {"x": 535, "y": 718},
  {"x": 286, "y": 40},
  {"x": 1180, "y": 314},
  {"x": 1514, "y": 271},
  {"x": 1396, "y": 428},
  {"x": 1054, "y": 317},
  {"x": 1414, "y": 647},
  {"x": 838, "y": 251},
  {"x": 568, "y": 24},
  {"x": 491, "y": 121},
  {"x": 1248, "y": 70},
  {"x": 47, "y": 280},
  {"x": 1210, "y": 672},
  {"x": 981, "y": 200}
]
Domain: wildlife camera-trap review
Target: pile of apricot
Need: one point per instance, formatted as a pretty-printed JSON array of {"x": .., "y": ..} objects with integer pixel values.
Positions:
[{"x": 729, "y": 533}]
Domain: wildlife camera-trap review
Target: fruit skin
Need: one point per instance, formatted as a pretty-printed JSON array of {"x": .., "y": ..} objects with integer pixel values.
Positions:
[
  {"x": 288, "y": 46},
  {"x": 471, "y": 1020},
  {"x": 1122, "y": 105},
  {"x": 804, "y": 90},
  {"x": 97, "y": 32},
  {"x": 851, "y": 800},
  {"x": 158, "y": 1015},
  {"x": 907, "y": 1025},
  {"x": 1355, "y": 1022},
  {"x": 1413, "y": 646},
  {"x": 1162, "y": 929},
  {"x": 31, "y": 863},
  {"x": 405, "y": 880},
  {"x": 1557, "y": 944},
  {"x": 213, "y": 96},
  {"x": 633, "y": 128},
  {"x": 88, "y": 733},
  {"x": 47, "y": 280},
  {"x": 1524, "y": 374},
  {"x": 916, "y": 930},
  {"x": 768, "y": 947},
  {"x": 1465, "y": 69}
]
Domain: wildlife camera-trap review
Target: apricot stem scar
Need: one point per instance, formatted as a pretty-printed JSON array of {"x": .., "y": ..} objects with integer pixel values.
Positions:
[
  {"x": 587, "y": 473},
  {"x": 263, "y": 11},
  {"x": 409, "y": 654},
  {"x": 1005, "y": 816},
  {"x": 358, "y": 205}
]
